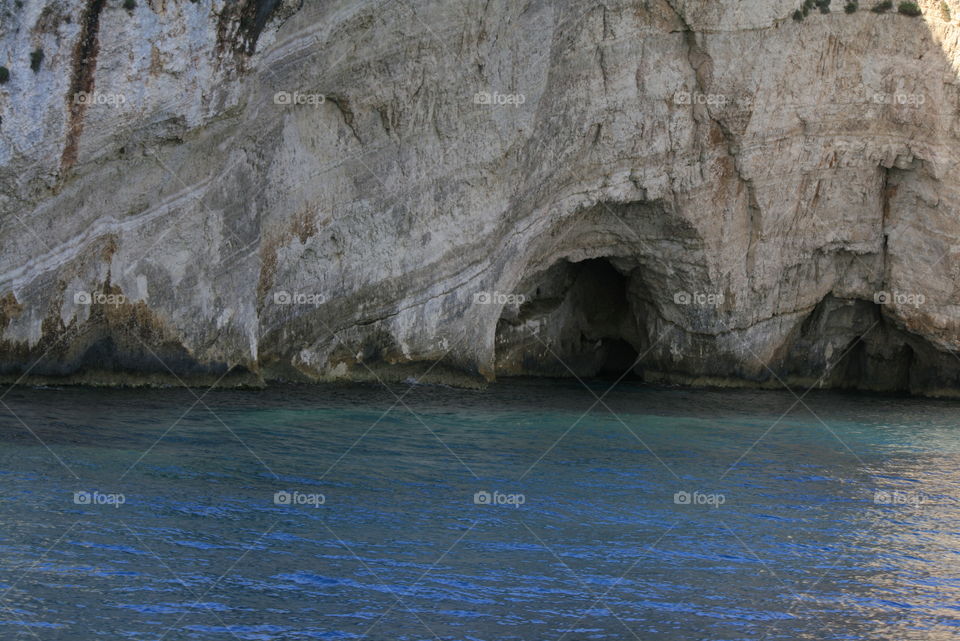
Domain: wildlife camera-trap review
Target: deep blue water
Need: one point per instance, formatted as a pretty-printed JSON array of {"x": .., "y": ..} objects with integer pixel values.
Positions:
[{"x": 841, "y": 522}]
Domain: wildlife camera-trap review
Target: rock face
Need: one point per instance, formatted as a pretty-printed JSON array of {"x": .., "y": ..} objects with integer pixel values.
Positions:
[{"x": 246, "y": 191}]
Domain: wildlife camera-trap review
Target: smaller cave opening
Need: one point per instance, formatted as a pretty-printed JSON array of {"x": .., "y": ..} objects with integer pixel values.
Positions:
[
  {"x": 575, "y": 319},
  {"x": 852, "y": 345},
  {"x": 880, "y": 362}
]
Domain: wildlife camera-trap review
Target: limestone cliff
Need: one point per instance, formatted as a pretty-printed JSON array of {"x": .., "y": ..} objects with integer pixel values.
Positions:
[{"x": 269, "y": 190}]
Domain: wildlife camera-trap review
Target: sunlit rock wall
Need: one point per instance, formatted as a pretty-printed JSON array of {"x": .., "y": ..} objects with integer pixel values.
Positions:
[{"x": 252, "y": 191}]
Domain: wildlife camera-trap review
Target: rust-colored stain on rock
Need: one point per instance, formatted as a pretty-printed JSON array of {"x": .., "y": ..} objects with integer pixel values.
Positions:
[{"x": 84, "y": 65}]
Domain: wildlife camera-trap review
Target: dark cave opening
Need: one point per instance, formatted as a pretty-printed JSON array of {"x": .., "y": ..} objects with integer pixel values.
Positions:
[
  {"x": 881, "y": 362},
  {"x": 852, "y": 344},
  {"x": 575, "y": 319},
  {"x": 620, "y": 361}
]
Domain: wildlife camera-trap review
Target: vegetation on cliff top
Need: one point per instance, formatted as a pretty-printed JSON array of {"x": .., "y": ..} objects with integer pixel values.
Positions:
[
  {"x": 909, "y": 9},
  {"x": 904, "y": 8}
]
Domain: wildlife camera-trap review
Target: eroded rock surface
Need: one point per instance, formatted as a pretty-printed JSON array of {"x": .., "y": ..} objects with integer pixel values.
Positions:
[{"x": 258, "y": 190}]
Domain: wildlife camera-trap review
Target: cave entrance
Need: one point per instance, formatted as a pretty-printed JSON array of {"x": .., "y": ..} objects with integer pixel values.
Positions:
[
  {"x": 575, "y": 318},
  {"x": 851, "y": 344},
  {"x": 620, "y": 357}
]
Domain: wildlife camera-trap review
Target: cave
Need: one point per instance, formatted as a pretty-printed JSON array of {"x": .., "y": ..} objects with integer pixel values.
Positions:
[
  {"x": 854, "y": 345},
  {"x": 574, "y": 318}
]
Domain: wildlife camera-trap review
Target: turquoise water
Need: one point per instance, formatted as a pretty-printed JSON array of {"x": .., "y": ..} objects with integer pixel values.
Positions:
[{"x": 674, "y": 514}]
